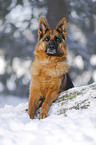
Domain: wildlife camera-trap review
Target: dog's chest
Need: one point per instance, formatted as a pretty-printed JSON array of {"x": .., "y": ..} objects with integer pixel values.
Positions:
[
  {"x": 45, "y": 69},
  {"x": 41, "y": 69}
]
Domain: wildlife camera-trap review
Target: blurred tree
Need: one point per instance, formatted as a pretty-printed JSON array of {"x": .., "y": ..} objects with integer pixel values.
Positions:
[{"x": 57, "y": 9}]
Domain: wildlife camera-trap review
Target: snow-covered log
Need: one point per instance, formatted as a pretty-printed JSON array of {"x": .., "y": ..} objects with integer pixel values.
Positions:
[{"x": 77, "y": 98}]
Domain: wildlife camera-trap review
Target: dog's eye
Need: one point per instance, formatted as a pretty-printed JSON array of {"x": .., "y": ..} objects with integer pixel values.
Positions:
[
  {"x": 46, "y": 39},
  {"x": 57, "y": 39}
]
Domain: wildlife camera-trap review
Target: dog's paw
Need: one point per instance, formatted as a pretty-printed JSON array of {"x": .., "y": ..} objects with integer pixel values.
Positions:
[
  {"x": 43, "y": 115},
  {"x": 31, "y": 115}
]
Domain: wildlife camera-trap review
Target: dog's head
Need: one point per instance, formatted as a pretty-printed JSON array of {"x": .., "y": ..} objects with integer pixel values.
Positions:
[{"x": 52, "y": 41}]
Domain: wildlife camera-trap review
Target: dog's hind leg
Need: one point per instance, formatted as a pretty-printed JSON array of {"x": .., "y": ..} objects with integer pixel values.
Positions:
[{"x": 69, "y": 83}]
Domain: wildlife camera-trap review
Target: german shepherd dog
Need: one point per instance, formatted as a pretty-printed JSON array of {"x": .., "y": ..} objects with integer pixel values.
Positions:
[{"x": 49, "y": 68}]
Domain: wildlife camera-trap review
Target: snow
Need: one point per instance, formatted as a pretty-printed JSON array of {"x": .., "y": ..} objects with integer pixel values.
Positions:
[
  {"x": 72, "y": 119},
  {"x": 11, "y": 100}
]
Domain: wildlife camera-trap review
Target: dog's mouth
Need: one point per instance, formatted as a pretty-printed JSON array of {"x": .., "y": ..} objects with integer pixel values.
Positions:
[
  {"x": 52, "y": 52},
  {"x": 51, "y": 49}
]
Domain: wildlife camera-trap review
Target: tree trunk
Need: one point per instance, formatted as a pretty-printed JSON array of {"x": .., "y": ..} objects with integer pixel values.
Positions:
[{"x": 57, "y": 9}]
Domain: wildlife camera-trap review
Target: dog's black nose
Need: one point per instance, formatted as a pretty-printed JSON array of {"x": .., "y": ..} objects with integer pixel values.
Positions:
[{"x": 51, "y": 46}]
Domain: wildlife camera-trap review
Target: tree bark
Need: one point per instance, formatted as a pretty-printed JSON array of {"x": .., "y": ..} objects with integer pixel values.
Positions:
[{"x": 57, "y": 9}]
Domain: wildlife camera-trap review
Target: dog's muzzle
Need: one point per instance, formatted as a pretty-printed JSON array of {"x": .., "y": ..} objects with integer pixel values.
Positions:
[{"x": 51, "y": 49}]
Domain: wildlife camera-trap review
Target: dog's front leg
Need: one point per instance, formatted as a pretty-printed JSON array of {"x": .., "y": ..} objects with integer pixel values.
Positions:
[
  {"x": 34, "y": 103},
  {"x": 31, "y": 106},
  {"x": 50, "y": 97},
  {"x": 34, "y": 100}
]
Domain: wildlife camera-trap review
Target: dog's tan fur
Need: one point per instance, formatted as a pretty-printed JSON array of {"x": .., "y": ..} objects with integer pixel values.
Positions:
[{"x": 47, "y": 71}]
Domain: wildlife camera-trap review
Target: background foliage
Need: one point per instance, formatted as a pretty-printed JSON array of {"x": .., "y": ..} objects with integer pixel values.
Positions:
[{"x": 18, "y": 37}]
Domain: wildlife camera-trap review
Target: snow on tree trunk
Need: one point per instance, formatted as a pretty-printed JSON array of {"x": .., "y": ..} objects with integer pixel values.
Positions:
[{"x": 77, "y": 98}]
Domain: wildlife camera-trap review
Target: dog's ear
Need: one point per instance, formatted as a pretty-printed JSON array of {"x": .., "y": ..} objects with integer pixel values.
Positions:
[
  {"x": 43, "y": 27},
  {"x": 62, "y": 27}
]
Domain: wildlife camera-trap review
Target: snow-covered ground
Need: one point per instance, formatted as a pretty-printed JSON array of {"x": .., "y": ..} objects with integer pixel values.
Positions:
[
  {"x": 12, "y": 100},
  {"x": 71, "y": 120}
]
